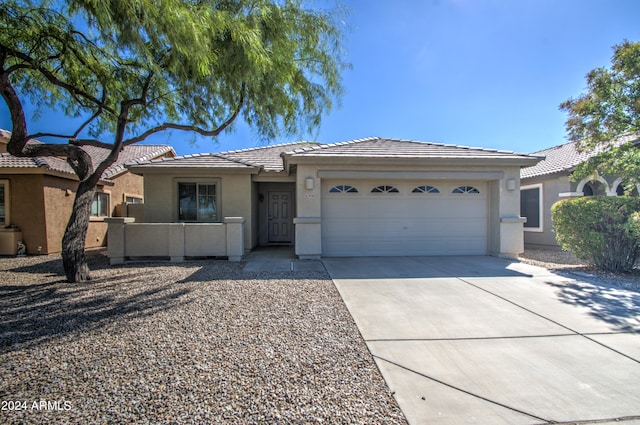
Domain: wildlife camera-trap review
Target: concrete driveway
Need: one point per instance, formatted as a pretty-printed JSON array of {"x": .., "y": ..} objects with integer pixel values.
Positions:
[{"x": 463, "y": 340}]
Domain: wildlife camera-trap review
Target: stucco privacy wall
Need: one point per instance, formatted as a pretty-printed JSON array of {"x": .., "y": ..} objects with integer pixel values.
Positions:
[
  {"x": 175, "y": 240},
  {"x": 505, "y": 236},
  {"x": 234, "y": 193}
]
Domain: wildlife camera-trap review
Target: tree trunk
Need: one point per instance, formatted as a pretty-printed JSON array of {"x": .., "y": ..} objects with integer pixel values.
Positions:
[{"x": 73, "y": 256}]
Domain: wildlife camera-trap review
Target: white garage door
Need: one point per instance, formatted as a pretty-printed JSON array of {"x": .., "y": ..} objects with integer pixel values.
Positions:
[{"x": 393, "y": 218}]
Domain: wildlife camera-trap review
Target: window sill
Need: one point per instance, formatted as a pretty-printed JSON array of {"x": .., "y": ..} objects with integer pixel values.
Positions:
[
  {"x": 533, "y": 229},
  {"x": 93, "y": 219}
]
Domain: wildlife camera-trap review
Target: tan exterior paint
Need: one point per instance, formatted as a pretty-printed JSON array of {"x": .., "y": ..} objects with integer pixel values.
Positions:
[
  {"x": 27, "y": 205},
  {"x": 40, "y": 205},
  {"x": 505, "y": 226},
  {"x": 240, "y": 190},
  {"x": 234, "y": 192}
]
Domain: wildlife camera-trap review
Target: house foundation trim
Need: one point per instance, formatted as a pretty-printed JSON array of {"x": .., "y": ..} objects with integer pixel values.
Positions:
[
  {"x": 308, "y": 237},
  {"x": 511, "y": 237}
]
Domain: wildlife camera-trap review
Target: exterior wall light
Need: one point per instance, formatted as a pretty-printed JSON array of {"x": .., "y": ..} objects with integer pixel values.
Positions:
[{"x": 309, "y": 183}]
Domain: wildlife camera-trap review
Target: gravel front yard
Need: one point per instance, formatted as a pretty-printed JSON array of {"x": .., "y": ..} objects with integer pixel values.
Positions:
[
  {"x": 198, "y": 342},
  {"x": 563, "y": 262}
]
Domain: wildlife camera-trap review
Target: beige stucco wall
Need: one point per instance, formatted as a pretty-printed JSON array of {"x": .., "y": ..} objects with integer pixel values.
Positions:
[
  {"x": 40, "y": 205},
  {"x": 58, "y": 205},
  {"x": 234, "y": 197},
  {"x": 28, "y": 211}
]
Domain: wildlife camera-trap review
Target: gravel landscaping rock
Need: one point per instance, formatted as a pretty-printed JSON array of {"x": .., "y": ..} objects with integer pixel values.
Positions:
[
  {"x": 194, "y": 343},
  {"x": 563, "y": 262}
]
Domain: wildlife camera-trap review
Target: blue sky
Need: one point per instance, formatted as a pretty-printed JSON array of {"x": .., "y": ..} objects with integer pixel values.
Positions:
[{"x": 487, "y": 73}]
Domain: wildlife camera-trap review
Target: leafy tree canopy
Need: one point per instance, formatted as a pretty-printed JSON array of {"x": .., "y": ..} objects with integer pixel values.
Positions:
[
  {"x": 606, "y": 118},
  {"x": 161, "y": 64},
  {"x": 130, "y": 69}
]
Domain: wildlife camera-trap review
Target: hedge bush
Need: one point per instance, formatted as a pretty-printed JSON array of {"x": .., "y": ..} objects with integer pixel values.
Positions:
[{"x": 602, "y": 230}]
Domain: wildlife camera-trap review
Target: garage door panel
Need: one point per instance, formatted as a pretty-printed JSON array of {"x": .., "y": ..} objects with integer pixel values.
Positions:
[{"x": 404, "y": 223}]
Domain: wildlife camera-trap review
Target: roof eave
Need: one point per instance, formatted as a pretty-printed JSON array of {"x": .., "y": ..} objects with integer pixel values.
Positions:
[
  {"x": 142, "y": 169},
  {"x": 520, "y": 161}
]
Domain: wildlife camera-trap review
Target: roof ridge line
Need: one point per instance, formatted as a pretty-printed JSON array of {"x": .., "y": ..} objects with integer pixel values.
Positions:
[
  {"x": 255, "y": 148},
  {"x": 236, "y": 160},
  {"x": 148, "y": 157}
]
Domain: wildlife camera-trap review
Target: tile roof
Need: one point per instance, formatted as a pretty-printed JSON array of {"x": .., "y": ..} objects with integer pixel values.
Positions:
[
  {"x": 199, "y": 160},
  {"x": 378, "y": 147},
  {"x": 130, "y": 154},
  {"x": 267, "y": 158},
  {"x": 563, "y": 158}
]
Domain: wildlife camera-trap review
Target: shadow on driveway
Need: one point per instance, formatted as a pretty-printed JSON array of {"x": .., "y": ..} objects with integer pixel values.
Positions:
[
  {"x": 420, "y": 267},
  {"x": 618, "y": 307}
]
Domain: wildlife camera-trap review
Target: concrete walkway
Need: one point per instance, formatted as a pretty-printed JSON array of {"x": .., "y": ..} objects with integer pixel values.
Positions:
[
  {"x": 279, "y": 259},
  {"x": 481, "y": 340}
]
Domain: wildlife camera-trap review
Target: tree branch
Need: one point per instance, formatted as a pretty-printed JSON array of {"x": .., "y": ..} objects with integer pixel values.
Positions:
[
  {"x": 196, "y": 129},
  {"x": 74, "y": 91},
  {"x": 93, "y": 117}
]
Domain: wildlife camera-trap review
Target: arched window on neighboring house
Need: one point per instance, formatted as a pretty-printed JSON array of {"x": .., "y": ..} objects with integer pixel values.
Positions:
[
  {"x": 587, "y": 190},
  {"x": 594, "y": 188},
  {"x": 597, "y": 187},
  {"x": 620, "y": 190}
]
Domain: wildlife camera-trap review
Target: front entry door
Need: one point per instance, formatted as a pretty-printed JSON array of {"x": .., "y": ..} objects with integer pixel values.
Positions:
[{"x": 280, "y": 217}]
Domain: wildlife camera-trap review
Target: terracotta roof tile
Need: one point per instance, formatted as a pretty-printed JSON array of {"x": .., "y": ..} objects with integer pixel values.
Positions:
[
  {"x": 266, "y": 157},
  {"x": 269, "y": 157},
  {"x": 200, "y": 160},
  {"x": 129, "y": 154}
]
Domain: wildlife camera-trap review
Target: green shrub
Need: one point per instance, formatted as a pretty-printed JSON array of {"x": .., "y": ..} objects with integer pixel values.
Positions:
[{"x": 604, "y": 231}]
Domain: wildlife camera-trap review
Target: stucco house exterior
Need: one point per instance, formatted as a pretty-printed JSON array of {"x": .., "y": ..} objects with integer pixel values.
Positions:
[
  {"x": 36, "y": 196},
  {"x": 365, "y": 197},
  {"x": 549, "y": 181}
]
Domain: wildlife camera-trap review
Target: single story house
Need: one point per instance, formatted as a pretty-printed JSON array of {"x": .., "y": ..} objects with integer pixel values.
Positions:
[
  {"x": 365, "y": 197},
  {"x": 549, "y": 181},
  {"x": 37, "y": 194}
]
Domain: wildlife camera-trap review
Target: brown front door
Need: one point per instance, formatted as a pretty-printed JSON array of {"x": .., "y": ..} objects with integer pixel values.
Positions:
[{"x": 280, "y": 217}]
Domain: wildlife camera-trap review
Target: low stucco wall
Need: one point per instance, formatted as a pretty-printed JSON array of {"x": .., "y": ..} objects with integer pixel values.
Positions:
[{"x": 175, "y": 240}]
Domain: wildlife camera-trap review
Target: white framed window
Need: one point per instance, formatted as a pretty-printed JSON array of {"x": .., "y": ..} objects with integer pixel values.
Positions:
[
  {"x": 343, "y": 188},
  {"x": 466, "y": 190},
  {"x": 531, "y": 205},
  {"x": 4, "y": 203},
  {"x": 385, "y": 189},
  {"x": 132, "y": 199},
  {"x": 198, "y": 201},
  {"x": 425, "y": 189},
  {"x": 100, "y": 204}
]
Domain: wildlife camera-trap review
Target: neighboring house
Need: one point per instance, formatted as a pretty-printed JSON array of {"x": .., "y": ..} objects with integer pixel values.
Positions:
[
  {"x": 36, "y": 196},
  {"x": 549, "y": 181},
  {"x": 366, "y": 197}
]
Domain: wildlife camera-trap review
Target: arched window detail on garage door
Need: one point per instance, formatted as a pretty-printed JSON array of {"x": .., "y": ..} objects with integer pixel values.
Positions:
[
  {"x": 425, "y": 189},
  {"x": 465, "y": 189},
  {"x": 385, "y": 189},
  {"x": 343, "y": 188}
]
